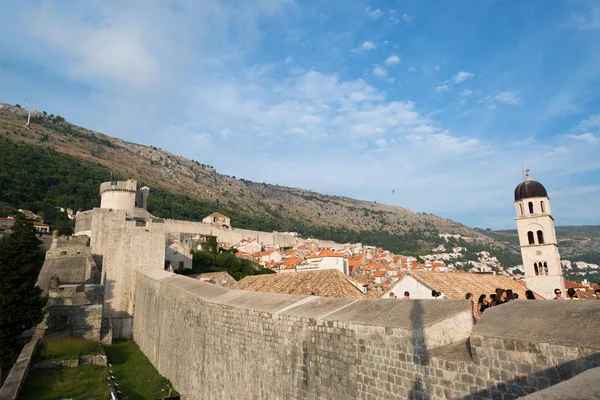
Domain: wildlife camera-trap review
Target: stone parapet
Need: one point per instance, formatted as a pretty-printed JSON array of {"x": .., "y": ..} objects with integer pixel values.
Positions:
[
  {"x": 118, "y": 186},
  {"x": 14, "y": 382}
]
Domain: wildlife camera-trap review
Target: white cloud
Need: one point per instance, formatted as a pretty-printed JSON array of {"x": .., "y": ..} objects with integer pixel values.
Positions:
[
  {"x": 380, "y": 71},
  {"x": 592, "y": 121},
  {"x": 511, "y": 98},
  {"x": 437, "y": 68},
  {"x": 374, "y": 14},
  {"x": 442, "y": 88},
  {"x": 466, "y": 92},
  {"x": 392, "y": 60},
  {"x": 407, "y": 17},
  {"x": 365, "y": 46},
  {"x": 412, "y": 69},
  {"x": 381, "y": 142},
  {"x": 462, "y": 76},
  {"x": 585, "y": 137}
]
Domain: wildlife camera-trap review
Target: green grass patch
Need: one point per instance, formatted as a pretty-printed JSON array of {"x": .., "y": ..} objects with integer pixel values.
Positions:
[
  {"x": 136, "y": 376},
  {"x": 87, "y": 382},
  {"x": 66, "y": 348}
]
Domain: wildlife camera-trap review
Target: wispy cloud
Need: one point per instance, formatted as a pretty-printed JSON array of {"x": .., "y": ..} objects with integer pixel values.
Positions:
[
  {"x": 586, "y": 17},
  {"x": 511, "y": 98},
  {"x": 442, "y": 88},
  {"x": 374, "y": 14},
  {"x": 462, "y": 76},
  {"x": 466, "y": 92},
  {"x": 412, "y": 69},
  {"x": 586, "y": 137},
  {"x": 380, "y": 71},
  {"x": 407, "y": 17},
  {"x": 392, "y": 60},
  {"x": 593, "y": 121}
]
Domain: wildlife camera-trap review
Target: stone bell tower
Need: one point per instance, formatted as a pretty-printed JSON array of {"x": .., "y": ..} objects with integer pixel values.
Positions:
[{"x": 537, "y": 238}]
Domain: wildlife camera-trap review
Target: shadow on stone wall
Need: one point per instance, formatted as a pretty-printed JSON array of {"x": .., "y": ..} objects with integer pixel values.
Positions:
[
  {"x": 539, "y": 380},
  {"x": 419, "y": 390}
]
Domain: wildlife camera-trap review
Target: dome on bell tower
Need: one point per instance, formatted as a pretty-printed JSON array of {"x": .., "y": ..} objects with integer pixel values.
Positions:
[{"x": 529, "y": 188}]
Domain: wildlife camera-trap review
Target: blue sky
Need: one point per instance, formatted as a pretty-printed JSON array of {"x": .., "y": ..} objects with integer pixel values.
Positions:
[{"x": 441, "y": 102}]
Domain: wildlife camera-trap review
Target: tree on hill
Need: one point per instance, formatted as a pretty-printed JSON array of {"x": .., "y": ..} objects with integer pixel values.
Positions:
[{"x": 21, "y": 303}]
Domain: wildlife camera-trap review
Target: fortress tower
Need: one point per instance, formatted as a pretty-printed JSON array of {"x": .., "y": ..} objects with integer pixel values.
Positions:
[
  {"x": 120, "y": 195},
  {"x": 537, "y": 238}
]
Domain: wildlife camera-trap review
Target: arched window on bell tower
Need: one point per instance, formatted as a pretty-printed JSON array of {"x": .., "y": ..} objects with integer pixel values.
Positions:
[
  {"x": 545, "y": 268},
  {"x": 542, "y": 207},
  {"x": 521, "y": 209},
  {"x": 540, "y": 236},
  {"x": 530, "y": 237},
  {"x": 535, "y": 268},
  {"x": 531, "y": 207}
]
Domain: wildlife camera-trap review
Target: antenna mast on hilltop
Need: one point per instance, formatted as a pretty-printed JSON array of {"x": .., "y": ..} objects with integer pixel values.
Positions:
[{"x": 29, "y": 117}]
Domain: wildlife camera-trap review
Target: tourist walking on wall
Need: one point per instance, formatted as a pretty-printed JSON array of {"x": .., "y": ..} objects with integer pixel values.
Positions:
[
  {"x": 529, "y": 295},
  {"x": 500, "y": 296},
  {"x": 392, "y": 295},
  {"x": 492, "y": 300},
  {"x": 509, "y": 295},
  {"x": 482, "y": 303},
  {"x": 597, "y": 294},
  {"x": 406, "y": 296},
  {"x": 438, "y": 295},
  {"x": 571, "y": 295},
  {"x": 558, "y": 294}
]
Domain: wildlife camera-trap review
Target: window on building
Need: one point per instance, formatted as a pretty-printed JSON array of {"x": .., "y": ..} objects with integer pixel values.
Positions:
[
  {"x": 180, "y": 264},
  {"x": 542, "y": 206},
  {"x": 167, "y": 264},
  {"x": 521, "y": 209},
  {"x": 530, "y": 237},
  {"x": 531, "y": 207},
  {"x": 540, "y": 236},
  {"x": 535, "y": 268},
  {"x": 545, "y": 268}
]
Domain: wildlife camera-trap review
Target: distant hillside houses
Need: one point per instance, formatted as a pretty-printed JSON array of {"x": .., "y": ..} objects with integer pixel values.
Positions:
[{"x": 376, "y": 268}]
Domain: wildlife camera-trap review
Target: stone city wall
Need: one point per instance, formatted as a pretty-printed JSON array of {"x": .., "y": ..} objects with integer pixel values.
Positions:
[
  {"x": 232, "y": 235},
  {"x": 216, "y": 343}
]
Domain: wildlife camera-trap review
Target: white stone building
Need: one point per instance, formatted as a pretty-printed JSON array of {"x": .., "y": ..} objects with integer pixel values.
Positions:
[{"x": 326, "y": 259}]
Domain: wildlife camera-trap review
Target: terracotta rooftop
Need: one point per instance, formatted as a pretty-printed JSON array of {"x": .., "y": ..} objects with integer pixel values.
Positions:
[
  {"x": 574, "y": 285},
  {"x": 325, "y": 253},
  {"x": 210, "y": 275},
  {"x": 455, "y": 286},
  {"x": 326, "y": 283}
]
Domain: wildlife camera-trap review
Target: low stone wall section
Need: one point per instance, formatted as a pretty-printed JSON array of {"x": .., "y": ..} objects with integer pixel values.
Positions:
[
  {"x": 12, "y": 386},
  {"x": 96, "y": 359}
]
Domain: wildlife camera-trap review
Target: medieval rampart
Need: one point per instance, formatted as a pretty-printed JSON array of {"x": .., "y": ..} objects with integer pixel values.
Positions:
[{"x": 215, "y": 343}]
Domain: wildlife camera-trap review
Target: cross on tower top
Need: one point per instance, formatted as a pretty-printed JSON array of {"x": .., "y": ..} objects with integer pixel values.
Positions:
[{"x": 527, "y": 175}]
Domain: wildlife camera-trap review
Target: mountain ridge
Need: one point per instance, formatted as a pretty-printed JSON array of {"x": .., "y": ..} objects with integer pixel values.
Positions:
[{"x": 169, "y": 171}]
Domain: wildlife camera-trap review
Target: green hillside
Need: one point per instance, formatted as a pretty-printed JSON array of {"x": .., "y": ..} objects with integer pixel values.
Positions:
[{"x": 40, "y": 179}]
